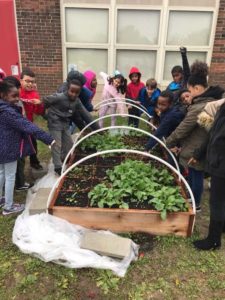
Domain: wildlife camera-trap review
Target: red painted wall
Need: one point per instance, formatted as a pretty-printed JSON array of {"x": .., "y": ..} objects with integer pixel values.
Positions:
[{"x": 9, "y": 53}]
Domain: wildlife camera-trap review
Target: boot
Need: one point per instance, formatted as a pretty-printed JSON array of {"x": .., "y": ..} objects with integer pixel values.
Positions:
[{"x": 213, "y": 240}]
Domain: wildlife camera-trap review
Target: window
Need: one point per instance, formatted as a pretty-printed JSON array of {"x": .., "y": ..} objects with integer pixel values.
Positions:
[
  {"x": 144, "y": 60},
  {"x": 86, "y": 25},
  {"x": 138, "y": 27},
  {"x": 105, "y": 35},
  {"x": 194, "y": 28}
]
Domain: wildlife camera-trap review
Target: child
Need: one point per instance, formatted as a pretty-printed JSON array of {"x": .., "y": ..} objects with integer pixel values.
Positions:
[
  {"x": 148, "y": 96},
  {"x": 214, "y": 150},
  {"x": 91, "y": 82},
  {"x": 61, "y": 107},
  {"x": 15, "y": 142},
  {"x": 113, "y": 88},
  {"x": 85, "y": 94},
  {"x": 170, "y": 118},
  {"x": 189, "y": 134},
  {"x": 180, "y": 75},
  {"x": 132, "y": 93},
  {"x": 28, "y": 92}
]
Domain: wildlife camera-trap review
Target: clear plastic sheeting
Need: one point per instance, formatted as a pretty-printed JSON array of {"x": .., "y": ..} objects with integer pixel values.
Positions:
[{"x": 52, "y": 239}]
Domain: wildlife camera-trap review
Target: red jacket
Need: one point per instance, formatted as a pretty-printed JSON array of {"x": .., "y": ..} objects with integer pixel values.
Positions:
[
  {"x": 31, "y": 109},
  {"x": 134, "y": 89}
]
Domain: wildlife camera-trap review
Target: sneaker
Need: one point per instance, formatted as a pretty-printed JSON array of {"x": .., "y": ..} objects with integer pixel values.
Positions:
[
  {"x": 58, "y": 171},
  {"x": 37, "y": 166},
  {"x": 14, "y": 209},
  {"x": 2, "y": 201},
  {"x": 198, "y": 209},
  {"x": 25, "y": 187}
]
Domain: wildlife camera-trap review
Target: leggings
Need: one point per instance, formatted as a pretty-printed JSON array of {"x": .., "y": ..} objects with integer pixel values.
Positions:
[
  {"x": 103, "y": 111},
  {"x": 217, "y": 199}
]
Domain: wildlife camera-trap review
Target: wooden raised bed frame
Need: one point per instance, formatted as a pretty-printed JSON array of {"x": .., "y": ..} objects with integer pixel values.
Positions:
[{"x": 125, "y": 220}]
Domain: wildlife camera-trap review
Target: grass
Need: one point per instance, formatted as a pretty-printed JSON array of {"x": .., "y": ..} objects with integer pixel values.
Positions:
[{"x": 169, "y": 269}]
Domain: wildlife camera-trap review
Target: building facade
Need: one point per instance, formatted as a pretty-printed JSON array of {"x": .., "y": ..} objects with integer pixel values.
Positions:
[{"x": 57, "y": 35}]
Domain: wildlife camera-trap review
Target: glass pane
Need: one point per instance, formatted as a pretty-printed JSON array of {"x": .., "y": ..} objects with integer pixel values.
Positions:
[
  {"x": 83, "y": 59},
  {"x": 174, "y": 58},
  {"x": 138, "y": 27},
  {"x": 145, "y": 61},
  {"x": 194, "y": 28},
  {"x": 87, "y": 25}
]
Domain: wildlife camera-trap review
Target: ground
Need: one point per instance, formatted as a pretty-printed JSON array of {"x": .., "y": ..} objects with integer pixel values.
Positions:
[{"x": 168, "y": 268}]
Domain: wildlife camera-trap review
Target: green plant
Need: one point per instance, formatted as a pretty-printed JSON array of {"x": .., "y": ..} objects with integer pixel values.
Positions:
[
  {"x": 107, "y": 281},
  {"x": 168, "y": 199},
  {"x": 139, "y": 183},
  {"x": 101, "y": 142}
]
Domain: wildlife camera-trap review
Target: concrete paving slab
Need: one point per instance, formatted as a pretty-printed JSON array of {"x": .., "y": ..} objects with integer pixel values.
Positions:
[{"x": 106, "y": 244}]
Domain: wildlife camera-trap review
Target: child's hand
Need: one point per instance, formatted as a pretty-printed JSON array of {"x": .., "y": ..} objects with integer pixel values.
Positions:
[
  {"x": 183, "y": 49},
  {"x": 36, "y": 101},
  {"x": 175, "y": 150},
  {"x": 192, "y": 161},
  {"x": 53, "y": 143}
]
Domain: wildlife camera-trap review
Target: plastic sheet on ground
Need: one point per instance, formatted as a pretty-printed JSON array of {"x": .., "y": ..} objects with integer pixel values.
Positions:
[
  {"x": 52, "y": 239},
  {"x": 55, "y": 240}
]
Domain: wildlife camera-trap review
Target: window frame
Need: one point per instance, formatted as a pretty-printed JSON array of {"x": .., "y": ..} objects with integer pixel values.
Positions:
[{"x": 161, "y": 48}]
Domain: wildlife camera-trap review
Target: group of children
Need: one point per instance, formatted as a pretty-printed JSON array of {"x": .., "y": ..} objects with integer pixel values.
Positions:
[{"x": 175, "y": 110}]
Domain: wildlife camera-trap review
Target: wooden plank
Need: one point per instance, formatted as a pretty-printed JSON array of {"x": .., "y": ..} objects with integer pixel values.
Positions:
[{"x": 121, "y": 220}]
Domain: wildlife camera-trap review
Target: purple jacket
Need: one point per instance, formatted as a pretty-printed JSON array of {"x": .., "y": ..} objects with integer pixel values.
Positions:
[{"x": 15, "y": 133}]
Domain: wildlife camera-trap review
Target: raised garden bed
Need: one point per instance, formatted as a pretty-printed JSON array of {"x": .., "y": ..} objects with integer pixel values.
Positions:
[
  {"x": 105, "y": 141},
  {"x": 70, "y": 201}
]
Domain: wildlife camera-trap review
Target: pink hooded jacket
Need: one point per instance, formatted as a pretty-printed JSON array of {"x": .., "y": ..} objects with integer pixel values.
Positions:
[{"x": 90, "y": 75}]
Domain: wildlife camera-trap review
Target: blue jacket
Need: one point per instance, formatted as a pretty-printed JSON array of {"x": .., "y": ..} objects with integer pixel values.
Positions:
[
  {"x": 149, "y": 103},
  {"x": 15, "y": 141},
  {"x": 169, "y": 120}
]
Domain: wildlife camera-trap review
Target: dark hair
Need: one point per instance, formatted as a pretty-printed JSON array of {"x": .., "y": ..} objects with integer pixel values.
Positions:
[
  {"x": 181, "y": 92},
  {"x": 123, "y": 85},
  {"x": 27, "y": 72},
  {"x": 177, "y": 69},
  {"x": 5, "y": 87},
  {"x": 168, "y": 95},
  {"x": 199, "y": 72},
  {"x": 13, "y": 80},
  {"x": 75, "y": 82},
  {"x": 77, "y": 76}
]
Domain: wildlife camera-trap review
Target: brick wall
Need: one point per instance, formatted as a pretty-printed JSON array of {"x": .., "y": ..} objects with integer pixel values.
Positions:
[
  {"x": 39, "y": 30},
  {"x": 217, "y": 68}
]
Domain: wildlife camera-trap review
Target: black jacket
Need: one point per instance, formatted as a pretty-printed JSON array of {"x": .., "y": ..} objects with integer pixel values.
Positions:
[{"x": 214, "y": 147}]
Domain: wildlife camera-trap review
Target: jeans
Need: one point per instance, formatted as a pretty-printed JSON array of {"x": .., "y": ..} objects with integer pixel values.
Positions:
[
  {"x": 7, "y": 177},
  {"x": 196, "y": 180}
]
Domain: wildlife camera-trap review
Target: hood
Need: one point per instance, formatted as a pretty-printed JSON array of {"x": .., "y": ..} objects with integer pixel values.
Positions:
[
  {"x": 89, "y": 75},
  {"x": 215, "y": 92},
  {"x": 7, "y": 106},
  {"x": 134, "y": 70}
]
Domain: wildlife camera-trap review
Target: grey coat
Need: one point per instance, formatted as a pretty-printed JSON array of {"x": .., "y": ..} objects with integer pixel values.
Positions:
[{"x": 61, "y": 110}]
